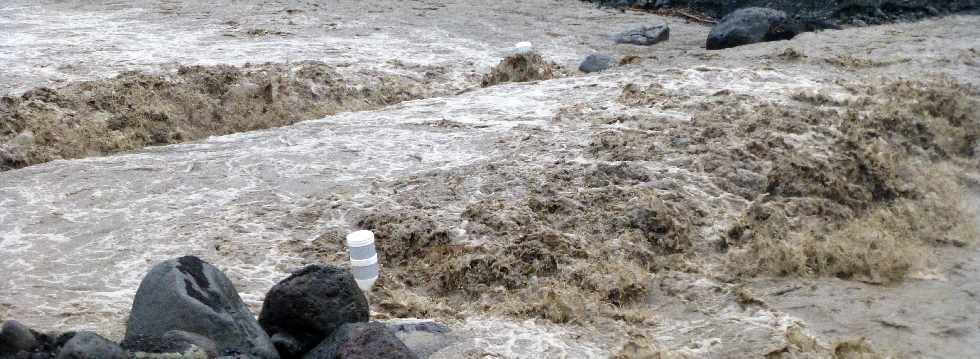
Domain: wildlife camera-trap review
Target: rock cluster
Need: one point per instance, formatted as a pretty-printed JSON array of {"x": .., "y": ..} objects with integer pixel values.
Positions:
[
  {"x": 742, "y": 22},
  {"x": 818, "y": 13},
  {"x": 187, "y": 308}
]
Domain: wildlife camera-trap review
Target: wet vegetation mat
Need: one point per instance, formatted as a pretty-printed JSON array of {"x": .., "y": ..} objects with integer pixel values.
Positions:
[
  {"x": 871, "y": 205},
  {"x": 136, "y": 109}
]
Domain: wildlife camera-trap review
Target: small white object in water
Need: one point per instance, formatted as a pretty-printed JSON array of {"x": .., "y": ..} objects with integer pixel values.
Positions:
[
  {"x": 363, "y": 259},
  {"x": 522, "y": 47}
]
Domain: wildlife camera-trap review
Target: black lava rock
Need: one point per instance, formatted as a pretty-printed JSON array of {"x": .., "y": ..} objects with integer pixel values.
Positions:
[
  {"x": 46, "y": 346},
  {"x": 361, "y": 341},
  {"x": 88, "y": 345},
  {"x": 308, "y": 306},
  {"x": 190, "y": 295},
  {"x": 751, "y": 25},
  {"x": 16, "y": 337},
  {"x": 596, "y": 63},
  {"x": 644, "y": 36}
]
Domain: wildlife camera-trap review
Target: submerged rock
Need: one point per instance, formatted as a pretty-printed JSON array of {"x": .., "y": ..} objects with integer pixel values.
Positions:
[
  {"x": 751, "y": 25},
  {"x": 422, "y": 337},
  {"x": 644, "y": 36},
  {"x": 88, "y": 345},
  {"x": 361, "y": 341},
  {"x": 190, "y": 295},
  {"x": 596, "y": 63},
  {"x": 302, "y": 310}
]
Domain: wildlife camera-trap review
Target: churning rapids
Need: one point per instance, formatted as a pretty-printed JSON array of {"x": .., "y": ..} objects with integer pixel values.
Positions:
[{"x": 76, "y": 236}]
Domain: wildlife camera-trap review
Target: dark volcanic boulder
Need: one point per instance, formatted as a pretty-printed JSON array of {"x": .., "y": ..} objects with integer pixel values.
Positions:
[
  {"x": 308, "y": 306},
  {"x": 190, "y": 295},
  {"x": 47, "y": 345},
  {"x": 751, "y": 25},
  {"x": 644, "y": 36},
  {"x": 88, "y": 345},
  {"x": 16, "y": 337},
  {"x": 361, "y": 341},
  {"x": 596, "y": 63}
]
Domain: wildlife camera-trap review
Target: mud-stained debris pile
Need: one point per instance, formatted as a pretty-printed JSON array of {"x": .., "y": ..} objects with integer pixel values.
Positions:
[
  {"x": 521, "y": 67},
  {"x": 137, "y": 109}
]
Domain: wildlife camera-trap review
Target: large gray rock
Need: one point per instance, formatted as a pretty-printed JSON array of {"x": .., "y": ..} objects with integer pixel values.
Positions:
[
  {"x": 16, "y": 337},
  {"x": 751, "y": 25},
  {"x": 190, "y": 295},
  {"x": 361, "y": 341},
  {"x": 644, "y": 36},
  {"x": 302, "y": 310},
  {"x": 596, "y": 63},
  {"x": 88, "y": 345}
]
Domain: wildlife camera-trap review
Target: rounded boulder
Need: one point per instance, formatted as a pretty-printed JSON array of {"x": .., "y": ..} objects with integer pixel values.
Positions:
[{"x": 302, "y": 310}]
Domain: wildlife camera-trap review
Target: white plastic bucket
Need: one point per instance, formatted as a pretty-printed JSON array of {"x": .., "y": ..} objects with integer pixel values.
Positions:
[{"x": 363, "y": 259}]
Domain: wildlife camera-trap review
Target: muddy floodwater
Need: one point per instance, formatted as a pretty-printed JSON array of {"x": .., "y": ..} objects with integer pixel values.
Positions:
[{"x": 544, "y": 174}]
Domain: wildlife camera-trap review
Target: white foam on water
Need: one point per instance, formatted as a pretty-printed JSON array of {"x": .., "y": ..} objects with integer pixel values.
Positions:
[
  {"x": 50, "y": 44},
  {"x": 501, "y": 338}
]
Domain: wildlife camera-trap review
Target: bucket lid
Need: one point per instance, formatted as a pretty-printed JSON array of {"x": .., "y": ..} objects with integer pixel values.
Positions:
[{"x": 360, "y": 238}]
